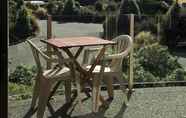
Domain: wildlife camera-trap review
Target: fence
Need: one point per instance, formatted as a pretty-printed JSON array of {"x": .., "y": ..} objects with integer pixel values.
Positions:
[{"x": 114, "y": 25}]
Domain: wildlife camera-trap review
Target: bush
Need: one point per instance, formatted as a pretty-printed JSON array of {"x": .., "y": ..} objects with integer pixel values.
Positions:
[
  {"x": 40, "y": 13},
  {"x": 157, "y": 60},
  {"x": 51, "y": 7},
  {"x": 146, "y": 23},
  {"x": 141, "y": 75},
  {"x": 154, "y": 63},
  {"x": 143, "y": 39},
  {"x": 70, "y": 8},
  {"x": 110, "y": 27},
  {"x": 177, "y": 75},
  {"x": 60, "y": 8},
  {"x": 35, "y": 26},
  {"x": 14, "y": 88},
  {"x": 112, "y": 6},
  {"x": 98, "y": 6},
  {"x": 32, "y": 6},
  {"x": 23, "y": 26},
  {"x": 22, "y": 75}
]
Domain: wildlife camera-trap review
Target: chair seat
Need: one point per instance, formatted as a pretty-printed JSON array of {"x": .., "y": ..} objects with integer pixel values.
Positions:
[
  {"x": 57, "y": 73},
  {"x": 98, "y": 68}
]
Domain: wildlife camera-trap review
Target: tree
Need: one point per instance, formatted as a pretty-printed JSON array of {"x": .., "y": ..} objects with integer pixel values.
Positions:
[
  {"x": 23, "y": 26},
  {"x": 21, "y": 23},
  {"x": 70, "y": 8},
  {"x": 51, "y": 7},
  {"x": 98, "y": 6}
]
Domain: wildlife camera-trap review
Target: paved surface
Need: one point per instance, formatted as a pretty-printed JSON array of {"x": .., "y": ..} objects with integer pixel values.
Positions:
[{"x": 161, "y": 102}]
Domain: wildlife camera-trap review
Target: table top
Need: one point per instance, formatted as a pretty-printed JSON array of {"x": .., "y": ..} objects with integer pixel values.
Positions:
[{"x": 77, "y": 42}]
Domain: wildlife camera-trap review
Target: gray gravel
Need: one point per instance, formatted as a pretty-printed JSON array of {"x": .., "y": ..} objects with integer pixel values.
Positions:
[{"x": 161, "y": 102}]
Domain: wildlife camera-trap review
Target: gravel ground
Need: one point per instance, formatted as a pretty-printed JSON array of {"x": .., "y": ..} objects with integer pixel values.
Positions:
[{"x": 160, "y": 102}]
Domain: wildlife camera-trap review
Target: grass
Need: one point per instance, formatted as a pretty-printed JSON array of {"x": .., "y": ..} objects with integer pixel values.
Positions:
[{"x": 19, "y": 91}]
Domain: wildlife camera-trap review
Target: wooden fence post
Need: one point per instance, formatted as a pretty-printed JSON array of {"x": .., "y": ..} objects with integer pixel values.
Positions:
[
  {"x": 49, "y": 35},
  {"x": 131, "y": 60}
]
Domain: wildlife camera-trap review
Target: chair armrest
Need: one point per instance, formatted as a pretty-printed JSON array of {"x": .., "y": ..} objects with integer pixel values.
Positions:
[{"x": 92, "y": 49}]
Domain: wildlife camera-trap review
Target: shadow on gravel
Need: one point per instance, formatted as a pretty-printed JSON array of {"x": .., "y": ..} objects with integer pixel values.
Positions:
[
  {"x": 30, "y": 113},
  {"x": 123, "y": 108},
  {"x": 63, "y": 111},
  {"x": 66, "y": 110},
  {"x": 103, "y": 109}
]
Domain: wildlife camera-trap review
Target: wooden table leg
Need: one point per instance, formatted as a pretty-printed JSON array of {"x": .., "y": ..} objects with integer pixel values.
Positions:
[
  {"x": 97, "y": 98},
  {"x": 88, "y": 75},
  {"x": 68, "y": 91},
  {"x": 95, "y": 94}
]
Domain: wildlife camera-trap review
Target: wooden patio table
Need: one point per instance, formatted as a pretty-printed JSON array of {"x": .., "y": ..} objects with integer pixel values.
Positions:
[{"x": 69, "y": 42}]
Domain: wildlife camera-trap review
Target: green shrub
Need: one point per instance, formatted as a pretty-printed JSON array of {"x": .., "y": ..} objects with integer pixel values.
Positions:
[
  {"x": 40, "y": 13},
  {"x": 60, "y": 8},
  {"x": 23, "y": 75},
  {"x": 14, "y": 88},
  {"x": 70, "y": 8},
  {"x": 177, "y": 75},
  {"x": 157, "y": 60},
  {"x": 85, "y": 11},
  {"x": 12, "y": 19},
  {"x": 23, "y": 26},
  {"x": 51, "y": 7},
  {"x": 143, "y": 39},
  {"x": 98, "y": 6},
  {"x": 112, "y": 6},
  {"x": 154, "y": 63},
  {"x": 32, "y": 6},
  {"x": 35, "y": 26},
  {"x": 110, "y": 27},
  {"x": 141, "y": 75},
  {"x": 146, "y": 23}
]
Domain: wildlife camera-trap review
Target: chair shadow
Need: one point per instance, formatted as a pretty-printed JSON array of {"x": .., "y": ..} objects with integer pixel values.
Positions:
[
  {"x": 30, "y": 113},
  {"x": 62, "y": 112},
  {"x": 123, "y": 108},
  {"x": 66, "y": 110},
  {"x": 99, "y": 114}
]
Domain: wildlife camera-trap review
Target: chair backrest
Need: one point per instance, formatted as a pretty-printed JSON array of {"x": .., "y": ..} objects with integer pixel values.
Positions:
[
  {"x": 121, "y": 49},
  {"x": 124, "y": 44},
  {"x": 36, "y": 52}
]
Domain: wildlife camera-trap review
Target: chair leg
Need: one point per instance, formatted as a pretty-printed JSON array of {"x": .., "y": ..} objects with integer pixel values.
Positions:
[
  {"x": 120, "y": 79},
  {"x": 109, "y": 81},
  {"x": 78, "y": 84},
  {"x": 68, "y": 91},
  {"x": 43, "y": 96},
  {"x": 35, "y": 91},
  {"x": 95, "y": 95}
]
